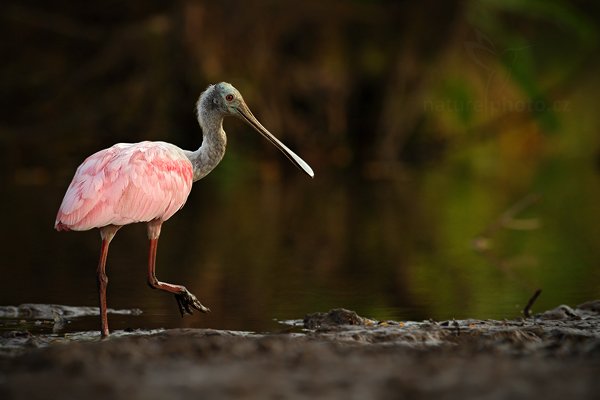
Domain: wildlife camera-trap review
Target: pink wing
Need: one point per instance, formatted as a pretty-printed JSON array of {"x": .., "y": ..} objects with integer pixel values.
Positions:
[{"x": 126, "y": 183}]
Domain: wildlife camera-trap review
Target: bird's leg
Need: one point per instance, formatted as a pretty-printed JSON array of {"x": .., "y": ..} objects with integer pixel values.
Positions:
[
  {"x": 185, "y": 300},
  {"x": 106, "y": 233}
]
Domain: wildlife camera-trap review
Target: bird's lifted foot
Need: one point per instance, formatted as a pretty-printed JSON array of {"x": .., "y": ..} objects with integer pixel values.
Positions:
[{"x": 187, "y": 302}]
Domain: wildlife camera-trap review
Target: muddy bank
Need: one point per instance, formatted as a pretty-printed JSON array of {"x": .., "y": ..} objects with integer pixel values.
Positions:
[{"x": 335, "y": 355}]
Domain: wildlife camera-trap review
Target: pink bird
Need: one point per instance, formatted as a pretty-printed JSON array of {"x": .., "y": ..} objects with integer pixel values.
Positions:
[{"x": 149, "y": 182}]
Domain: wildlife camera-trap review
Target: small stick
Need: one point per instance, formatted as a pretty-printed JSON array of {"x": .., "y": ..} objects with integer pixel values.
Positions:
[
  {"x": 457, "y": 326},
  {"x": 527, "y": 309}
]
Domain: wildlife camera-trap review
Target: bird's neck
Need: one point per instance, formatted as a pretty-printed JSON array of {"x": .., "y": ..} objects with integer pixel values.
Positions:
[{"x": 214, "y": 141}]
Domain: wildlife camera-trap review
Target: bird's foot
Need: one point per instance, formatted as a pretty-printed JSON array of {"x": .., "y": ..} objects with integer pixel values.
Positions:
[{"x": 187, "y": 302}]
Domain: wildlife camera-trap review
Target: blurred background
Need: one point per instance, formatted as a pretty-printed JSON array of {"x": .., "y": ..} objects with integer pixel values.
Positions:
[{"x": 456, "y": 149}]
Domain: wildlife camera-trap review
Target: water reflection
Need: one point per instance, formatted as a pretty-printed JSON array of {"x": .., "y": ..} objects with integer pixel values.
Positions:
[{"x": 255, "y": 250}]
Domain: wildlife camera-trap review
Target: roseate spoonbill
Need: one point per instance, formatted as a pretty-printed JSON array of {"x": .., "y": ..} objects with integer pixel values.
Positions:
[{"x": 149, "y": 182}]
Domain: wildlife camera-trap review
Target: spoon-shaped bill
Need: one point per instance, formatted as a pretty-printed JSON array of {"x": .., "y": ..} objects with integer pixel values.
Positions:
[{"x": 247, "y": 116}]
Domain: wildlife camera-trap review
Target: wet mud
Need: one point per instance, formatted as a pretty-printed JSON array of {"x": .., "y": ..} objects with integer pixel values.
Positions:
[{"x": 337, "y": 354}]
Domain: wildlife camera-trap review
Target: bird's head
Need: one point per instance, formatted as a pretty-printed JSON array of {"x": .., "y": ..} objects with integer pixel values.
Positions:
[
  {"x": 226, "y": 98},
  {"x": 222, "y": 99}
]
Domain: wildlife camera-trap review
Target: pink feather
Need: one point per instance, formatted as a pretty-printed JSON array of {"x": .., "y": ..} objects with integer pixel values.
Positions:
[{"x": 126, "y": 183}]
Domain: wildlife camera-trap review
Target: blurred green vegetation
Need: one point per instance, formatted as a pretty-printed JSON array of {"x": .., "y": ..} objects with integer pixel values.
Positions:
[{"x": 425, "y": 122}]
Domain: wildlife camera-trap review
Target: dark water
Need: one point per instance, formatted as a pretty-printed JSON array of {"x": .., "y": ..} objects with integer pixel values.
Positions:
[
  {"x": 486, "y": 112},
  {"x": 440, "y": 242}
]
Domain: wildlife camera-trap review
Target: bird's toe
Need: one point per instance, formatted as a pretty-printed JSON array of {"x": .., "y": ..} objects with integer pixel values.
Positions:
[{"x": 187, "y": 302}]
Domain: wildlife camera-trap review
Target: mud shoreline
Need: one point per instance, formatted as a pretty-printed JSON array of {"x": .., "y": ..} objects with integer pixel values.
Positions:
[{"x": 328, "y": 355}]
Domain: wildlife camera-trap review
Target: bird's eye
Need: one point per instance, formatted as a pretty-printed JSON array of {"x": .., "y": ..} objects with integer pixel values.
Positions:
[{"x": 229, "y": 97}]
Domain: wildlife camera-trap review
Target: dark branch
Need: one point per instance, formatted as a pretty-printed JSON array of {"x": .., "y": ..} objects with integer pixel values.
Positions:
[{"x": 527, "y": 309}]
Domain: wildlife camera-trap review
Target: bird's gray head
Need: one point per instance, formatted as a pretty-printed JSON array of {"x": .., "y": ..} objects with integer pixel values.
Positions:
[{"x": 223, "y": 99}]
